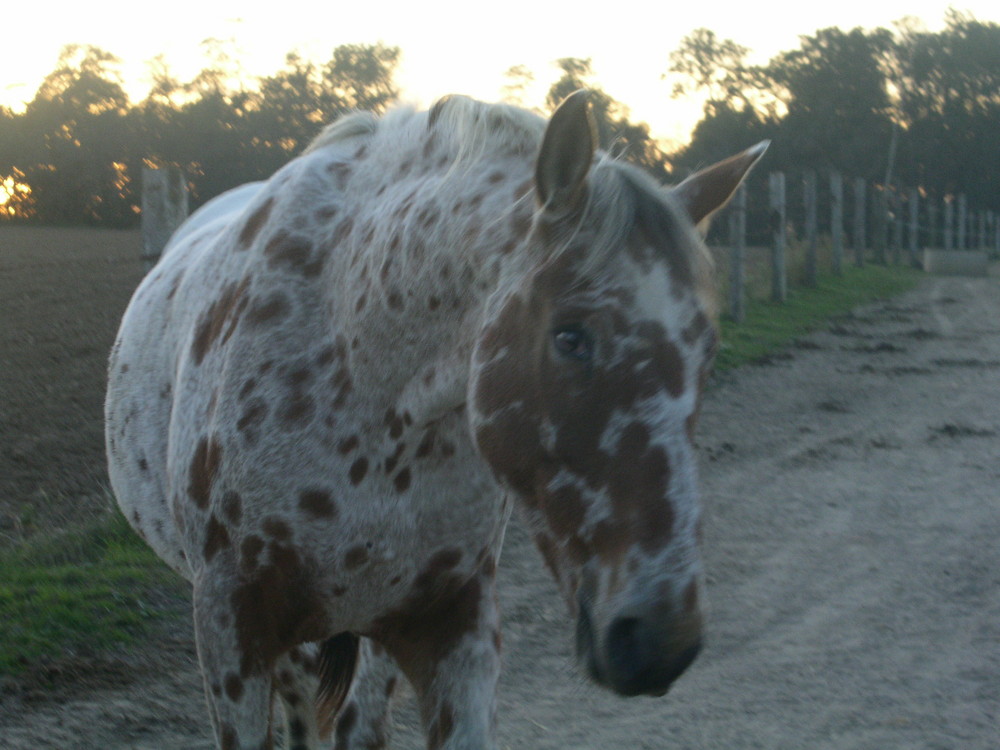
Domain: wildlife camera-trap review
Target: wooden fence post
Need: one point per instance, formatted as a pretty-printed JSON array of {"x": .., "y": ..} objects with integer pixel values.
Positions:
[
  {"x": 859, "y": 222},
  {"x": 963, "y": 226},
  {"x": 981, "y": 236},
  {"x": 880, "y": 225},
  {"x": 779, "y": 275},
  {"x": 737, "y": 253},
  {"x": 932, "y": 225},
  {"x": 896, "y": 242},
  {"x": 949, "y": 220},
  {"x": 914, "y": 226},
  {"x": 809, "y": 188},
  {"x": 837, "y": 221},
  {"x": 164, "y": 208}
]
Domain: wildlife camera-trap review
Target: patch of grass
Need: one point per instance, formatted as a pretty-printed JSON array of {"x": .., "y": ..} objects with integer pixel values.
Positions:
[
  {"x": 79, "y": 592},
  {"x": 769, "y": 325}
]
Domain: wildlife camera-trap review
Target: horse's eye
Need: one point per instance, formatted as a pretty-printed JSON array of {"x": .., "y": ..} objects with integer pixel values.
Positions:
[{"x": 574, "y": 342}]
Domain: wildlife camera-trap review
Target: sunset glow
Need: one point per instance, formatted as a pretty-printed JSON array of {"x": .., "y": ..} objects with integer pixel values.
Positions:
[
  {"x": 446, "y": 49},
  {"x": 12, "y": 193}
]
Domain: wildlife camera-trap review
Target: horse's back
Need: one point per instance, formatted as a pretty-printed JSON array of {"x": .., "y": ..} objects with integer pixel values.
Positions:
[{"x": 220, "y": 210}]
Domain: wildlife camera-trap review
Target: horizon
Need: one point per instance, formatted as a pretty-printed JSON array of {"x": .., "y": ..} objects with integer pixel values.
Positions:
[{"x": 435, "y": 60}]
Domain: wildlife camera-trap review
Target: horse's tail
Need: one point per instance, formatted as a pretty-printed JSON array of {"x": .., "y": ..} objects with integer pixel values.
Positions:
[{"x": 338, "y": 658}]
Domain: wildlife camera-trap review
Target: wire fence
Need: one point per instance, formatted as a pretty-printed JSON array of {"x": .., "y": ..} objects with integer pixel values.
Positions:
[{"x": 793, "y": 228}]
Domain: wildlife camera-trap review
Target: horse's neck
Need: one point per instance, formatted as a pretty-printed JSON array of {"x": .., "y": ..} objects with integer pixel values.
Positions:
[{"x": 411, "y": 283}]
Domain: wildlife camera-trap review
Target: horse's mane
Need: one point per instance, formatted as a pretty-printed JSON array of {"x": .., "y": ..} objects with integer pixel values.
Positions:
[{"x": 623, "y": 196}]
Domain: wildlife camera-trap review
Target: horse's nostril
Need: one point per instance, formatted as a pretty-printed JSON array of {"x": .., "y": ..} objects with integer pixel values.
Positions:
[
  {"x": 626, "y": 651},
  {"x": 641, "y": 659}
]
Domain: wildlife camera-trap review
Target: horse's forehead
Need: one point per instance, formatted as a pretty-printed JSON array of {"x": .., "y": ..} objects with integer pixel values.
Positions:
[{"x": 640, "y": 284}]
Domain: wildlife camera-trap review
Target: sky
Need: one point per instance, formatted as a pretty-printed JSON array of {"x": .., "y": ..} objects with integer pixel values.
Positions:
[{"x": 448, "y": 46}]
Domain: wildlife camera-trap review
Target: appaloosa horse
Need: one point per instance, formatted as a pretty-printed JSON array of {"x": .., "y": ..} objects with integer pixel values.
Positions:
[{"x": 325, "y": 397}]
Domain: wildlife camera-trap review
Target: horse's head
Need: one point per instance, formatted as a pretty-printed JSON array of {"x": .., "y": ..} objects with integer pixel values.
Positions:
[{"x": 585, "y": 389}]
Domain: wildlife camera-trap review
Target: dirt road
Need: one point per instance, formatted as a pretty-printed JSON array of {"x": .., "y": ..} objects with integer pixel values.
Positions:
[{"x": 852, "y": 496}]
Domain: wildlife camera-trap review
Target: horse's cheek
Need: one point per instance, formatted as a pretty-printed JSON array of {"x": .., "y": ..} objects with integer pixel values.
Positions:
[{"x": 511, "y": 445}]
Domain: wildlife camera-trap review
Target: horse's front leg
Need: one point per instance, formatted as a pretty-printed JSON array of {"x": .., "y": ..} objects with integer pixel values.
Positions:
[
  {"x": 450, "y": 651},
  {"x": 237, "y": 683}
]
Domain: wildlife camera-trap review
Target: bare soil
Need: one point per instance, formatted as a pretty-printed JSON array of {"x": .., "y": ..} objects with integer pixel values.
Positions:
[
  {"x": 62, "y": 295},
  {"x": 852, "y": 498}
]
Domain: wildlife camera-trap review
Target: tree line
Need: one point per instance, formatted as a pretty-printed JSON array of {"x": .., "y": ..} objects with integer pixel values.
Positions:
[{"x": 906, "y": 106}]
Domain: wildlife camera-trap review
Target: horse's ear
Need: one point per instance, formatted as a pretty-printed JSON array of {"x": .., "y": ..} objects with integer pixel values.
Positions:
[
  {"x": 708, "y": 190},
  {"x": 567, "y": 152}
]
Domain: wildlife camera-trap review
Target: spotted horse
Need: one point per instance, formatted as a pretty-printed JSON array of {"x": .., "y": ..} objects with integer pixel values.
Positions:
[{"x": 326, "y": 398}]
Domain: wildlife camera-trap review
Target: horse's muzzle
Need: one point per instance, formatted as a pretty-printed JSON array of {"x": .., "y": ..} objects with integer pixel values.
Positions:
[{"x": 636, "y": 654}]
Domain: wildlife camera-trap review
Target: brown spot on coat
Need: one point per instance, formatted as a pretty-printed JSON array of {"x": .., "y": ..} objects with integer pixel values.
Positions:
[
  {"x": 276, "y": 528},
  {"x": 250, "y": 421},
  {"x": 565, "y": 510},
  {"x": 293, "y": 252},
  {"x": 395, "y": 423},
  {"x": 297, "y": 409},
  {"x": 250, "y": 551},
  {"x": 232, "y": 507},
  {"x": 355, "y": 557},
  {"x": 439, "y": 611},
  {"x": 220, "y": 319},
  {"x": 203, "y": 469},
  {"x": 227, "y": 738},
  {"x": 318, "y": 503},
  {"x": 274, "y": 609},
  {"x": 234, "y": 687},
  {"x": 691, "y": 596},
  {"x": 216, "y": 538},
  {"x": 247, "y": 388},
  {"x": 402, "y": 480},
  {"x": 440, "y": 563},
  {"x": 358, "y": 470},
  {"x": 253, "y": 224},
  {"x": 271, "y": 309},
  {"x": 426, "y": 444}
]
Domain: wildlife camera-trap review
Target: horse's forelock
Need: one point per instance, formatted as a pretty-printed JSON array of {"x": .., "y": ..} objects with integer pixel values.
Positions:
[
  {"x": 624, "y": 202},
  {"x": 478, "y": 129}
]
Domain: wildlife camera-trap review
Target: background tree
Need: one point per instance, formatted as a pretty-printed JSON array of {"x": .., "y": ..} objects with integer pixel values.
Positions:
[
  {"x": 617, "y": 134},
  {"x": 948, "y": 102},
  {"x": 717, "y": 68},
  {"x": 738, "y": 110},
  {"x": 840, "y": 100},
  {"x": 75, "y": 154},
  {"x": 362, "y": 76},
  {"x": 72, "y": 136},
  {"x": 519, "y": 79},
  {"x": 836, "y": 96}
]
